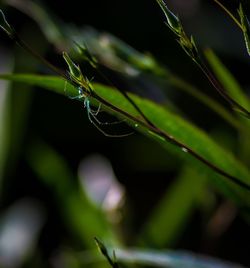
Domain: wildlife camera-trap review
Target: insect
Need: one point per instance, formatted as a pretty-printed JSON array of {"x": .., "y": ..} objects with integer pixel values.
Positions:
[{"x": 85, "y": 90}]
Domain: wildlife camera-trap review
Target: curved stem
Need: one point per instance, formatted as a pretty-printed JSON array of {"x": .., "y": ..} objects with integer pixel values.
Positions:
[
  {"x": 148, "y": 125},
  {"x": 229, "y": 14},
  {"x": 171, "y": 139},
  {"x": 215, "y": 83}
]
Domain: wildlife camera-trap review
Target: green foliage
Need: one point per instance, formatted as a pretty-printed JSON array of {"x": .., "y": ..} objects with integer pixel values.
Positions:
[
  {"x": 74, "y": 70},
  {"x": 86, "y": 55},
  {"x": 4, "y": 133},
  {"x": 227, "y": 79},
  {"x": 172, "y": 212},
  {"x": 123, "y": 57},
  {"x": 175, "y": 25},
  {"x": 53, "y": 171},
  {"x": 190, "y": 48},
  {"x": 172, "y": 20},
  {"x": 242, "y": 23},
  {"x": 245, "y": 27},
  {"x": 200, "y": 157},
  {"x": 105, "y": 253},
  {"x": 194, "y": 141}
]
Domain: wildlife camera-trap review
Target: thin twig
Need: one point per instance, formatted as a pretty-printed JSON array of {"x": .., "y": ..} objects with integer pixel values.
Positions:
[
  {"x": 171, "y": 139},
  {"x": 229, "y": 14},
  {"x": 150, "y": 127},
  {"x": 219, "y": 88}
]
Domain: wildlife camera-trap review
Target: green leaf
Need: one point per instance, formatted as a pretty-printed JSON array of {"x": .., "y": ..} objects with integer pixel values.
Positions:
[
  {"x": 123, "y": 57},
  {"x": 227, "y": 79},
  {"x": 174, "y": 209},
  {"x": 189, "y": 46},
  {"x": 74, "y": 70},
  {"x": 105, "y": 253},
  {"x": 86, "y": 55},
  {"x": 81, "y": 216},
  {"x": 5, "y": 105},
  {"x": 173, "y": 22},
  {"x": 236, "y": 92},
  {"x": 177, "y": 129}
]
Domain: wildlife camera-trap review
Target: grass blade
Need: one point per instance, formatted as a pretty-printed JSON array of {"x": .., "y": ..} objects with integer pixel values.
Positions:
[
  {"x": 172, "y": 213},
  {"x": 227, "y": 79},
  {"x": 197, "y": 145},
  {"x": 82, "y": 217}
]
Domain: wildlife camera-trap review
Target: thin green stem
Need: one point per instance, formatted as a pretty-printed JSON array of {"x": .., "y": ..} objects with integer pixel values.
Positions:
[
  {"x": 124, "y": 93},
  {"x": 229, "y": 14},
  {"x": 189, "y": 46},
  {"x": 188, "y": 88},
  {"x": 219, "y": 88},
  {"x": 172, "y": 140},
  {"x": 149, "y": 126},
  {"x": 209, "y": 102},
  {"x": 27, "y": 48}
]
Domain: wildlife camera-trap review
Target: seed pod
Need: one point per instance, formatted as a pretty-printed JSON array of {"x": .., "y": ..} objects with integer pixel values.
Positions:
[
  {"x": 74, "y": 70},
  {"x": 172, "y": 20}
]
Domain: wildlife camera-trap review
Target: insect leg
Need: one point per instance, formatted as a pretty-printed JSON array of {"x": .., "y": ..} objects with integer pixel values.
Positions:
[{"x": 92, "y": 118}]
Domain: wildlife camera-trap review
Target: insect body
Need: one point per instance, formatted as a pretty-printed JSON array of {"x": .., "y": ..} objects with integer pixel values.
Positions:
[{"x": 85, "y": 89}]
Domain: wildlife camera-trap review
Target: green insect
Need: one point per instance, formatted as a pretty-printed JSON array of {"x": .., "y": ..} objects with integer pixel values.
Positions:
[{"x": 85, "y": 90}]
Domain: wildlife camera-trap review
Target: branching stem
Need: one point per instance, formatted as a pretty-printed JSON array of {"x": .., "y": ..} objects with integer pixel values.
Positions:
[{"x": 146, "y": 124}]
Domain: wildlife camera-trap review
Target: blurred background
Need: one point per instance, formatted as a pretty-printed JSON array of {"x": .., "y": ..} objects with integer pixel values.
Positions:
[{"x": 62, "y": 182}]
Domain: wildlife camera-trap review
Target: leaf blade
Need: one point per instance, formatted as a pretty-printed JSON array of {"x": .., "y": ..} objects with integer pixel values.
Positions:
[
  {"x": 165, "y": 120},
  {"x": 227, "y": 79}
]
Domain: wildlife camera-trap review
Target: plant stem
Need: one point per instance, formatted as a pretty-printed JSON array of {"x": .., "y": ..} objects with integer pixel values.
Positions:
[
  {"x": 215, "y": 83},
  {"x": 148, "y": 125},
  {"x": 229, "y": 14},
  {"x": 172, "y": 140}
]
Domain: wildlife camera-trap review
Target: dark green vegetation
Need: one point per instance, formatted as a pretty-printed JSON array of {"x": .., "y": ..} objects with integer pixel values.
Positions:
[{"x": 180, "y": 147}]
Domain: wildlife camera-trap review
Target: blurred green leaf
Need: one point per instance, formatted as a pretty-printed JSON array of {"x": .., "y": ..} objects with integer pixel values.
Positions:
[
  {"x": 104, "y": 251},
  {"x": 168, "y": 219},
  {"x": 181, "y": 130},
  {"x": 189, "y": 46},
  {"x": 14, "y": 107},
  {"x": 83, "y": 217},
  {"x": 173, "y": 22},
  {"x": 115, "y": 53},
  {"x": 119, "y": 56},
  {"x": 5, "y": 107},
  {"x": 236, "y": 92},
  {"x": 43, "y": 17},
  {"x": 227, "y": 79},
  {"x": 170, "y": 259},
  {"x": 4, "y": 129}
]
